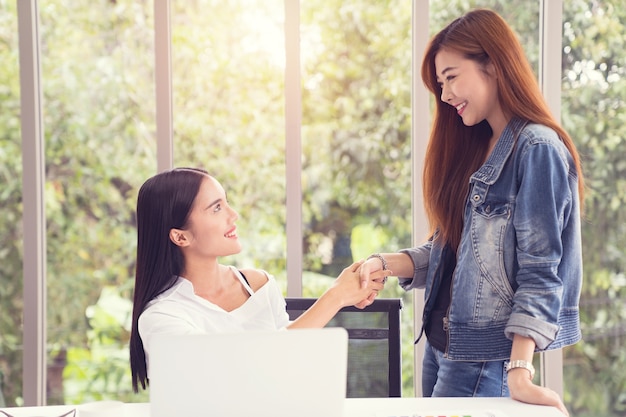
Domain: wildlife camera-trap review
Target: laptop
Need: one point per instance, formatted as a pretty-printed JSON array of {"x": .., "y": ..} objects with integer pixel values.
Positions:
[{"x": 260, "y": 373}]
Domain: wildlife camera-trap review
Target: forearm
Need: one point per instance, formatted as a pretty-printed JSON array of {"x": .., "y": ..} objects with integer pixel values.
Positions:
[
  {"x": 522, "y": 350},
  {"x": 400, "y": 264},
  {"x": 319, "y": 314}
]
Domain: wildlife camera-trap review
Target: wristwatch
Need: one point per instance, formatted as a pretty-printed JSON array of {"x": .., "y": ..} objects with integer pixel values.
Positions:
[{"x": 521, "y": 364}]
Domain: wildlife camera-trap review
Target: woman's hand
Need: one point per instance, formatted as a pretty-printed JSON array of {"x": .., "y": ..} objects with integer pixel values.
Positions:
[
  {"x": 353, "y": 291},
  {"x": 368, "y": 268},
  {"x": 522, "y": 389},
  {"x": 521, "y": 386},
  {"x": 371, "y": 271}
]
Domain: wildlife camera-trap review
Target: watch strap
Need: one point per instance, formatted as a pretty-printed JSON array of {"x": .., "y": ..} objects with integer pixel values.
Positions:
[{"x": 519, "y": 363}]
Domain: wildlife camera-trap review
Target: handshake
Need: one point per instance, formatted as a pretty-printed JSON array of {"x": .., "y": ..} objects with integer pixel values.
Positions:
[{"x": 359, "y": 283}]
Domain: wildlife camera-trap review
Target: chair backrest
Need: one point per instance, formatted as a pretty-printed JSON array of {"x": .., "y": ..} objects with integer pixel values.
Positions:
[{"x": 374, "y": 350}]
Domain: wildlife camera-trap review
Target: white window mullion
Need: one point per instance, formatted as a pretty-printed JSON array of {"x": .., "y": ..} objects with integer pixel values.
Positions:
[
  {"x": 420, "y": 128},
  {"x": 33, "y": 215},
  {"x": 163, "y": 85},
  {"x": 550, "y": 80},
  {"x": 293, "y": 148}
]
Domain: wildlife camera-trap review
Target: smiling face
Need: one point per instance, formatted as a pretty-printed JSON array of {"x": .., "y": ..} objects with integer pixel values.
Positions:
[
  {"x": 211, "y": 230},
  {"x": 470, "y": 88}
]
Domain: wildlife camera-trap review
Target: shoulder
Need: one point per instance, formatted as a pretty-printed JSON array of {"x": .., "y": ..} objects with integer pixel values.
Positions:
[
  {"x": 256, "y": 277},
  {"x": 537, "y": 133},
  {"x": 535, "y": 136}
]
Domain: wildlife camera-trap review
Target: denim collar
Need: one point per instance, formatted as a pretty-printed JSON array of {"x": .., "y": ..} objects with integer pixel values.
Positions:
[{"x": 489, "y": 172}]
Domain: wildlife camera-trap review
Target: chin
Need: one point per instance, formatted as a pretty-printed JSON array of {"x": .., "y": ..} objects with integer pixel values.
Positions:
[{"x": 469, "y": 122}]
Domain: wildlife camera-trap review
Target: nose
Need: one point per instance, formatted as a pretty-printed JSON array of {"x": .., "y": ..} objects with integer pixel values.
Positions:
[
  {"x": 446, "y": 96},
  {"x": 233, "y": 213}
]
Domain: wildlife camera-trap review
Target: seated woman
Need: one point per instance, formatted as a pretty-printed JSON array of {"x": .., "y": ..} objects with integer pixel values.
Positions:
[{"x": 184, "y": 224}]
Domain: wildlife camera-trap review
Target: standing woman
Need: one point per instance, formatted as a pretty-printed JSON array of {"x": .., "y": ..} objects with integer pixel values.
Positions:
[
  {"x": 503, "y": 187},
  {"x": 184, "y": 224}
]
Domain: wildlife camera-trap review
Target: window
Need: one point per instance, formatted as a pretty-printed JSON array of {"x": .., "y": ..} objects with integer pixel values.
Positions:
[
  {"x": 99, "y": 122},
  {"x": 318, "y": 142}
]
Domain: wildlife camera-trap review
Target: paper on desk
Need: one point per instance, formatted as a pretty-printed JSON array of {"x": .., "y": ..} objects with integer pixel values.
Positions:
[
  {"x": 101, "y": 409},
  {"x": 447, "y": 413}
]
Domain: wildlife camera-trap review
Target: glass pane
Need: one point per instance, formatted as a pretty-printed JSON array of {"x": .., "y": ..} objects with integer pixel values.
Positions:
[
  {"x": 594, "y": 86},
  {"x": 356, "y": 140},
  {"x": 11, "y": 244},
  {"x": 97, "y": 71},
  {"x": 228, "y": 81}
]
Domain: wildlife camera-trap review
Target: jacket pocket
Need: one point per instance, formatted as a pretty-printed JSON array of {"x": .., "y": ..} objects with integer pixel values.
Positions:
[{"x": 489, "y": 224}]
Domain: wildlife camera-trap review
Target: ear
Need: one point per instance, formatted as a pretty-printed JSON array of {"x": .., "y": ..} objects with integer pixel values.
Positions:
[{"x": 178, "y": 237}]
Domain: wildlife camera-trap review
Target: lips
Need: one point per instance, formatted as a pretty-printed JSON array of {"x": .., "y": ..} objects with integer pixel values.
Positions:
[
  {"x": 460, "y": 107},
  {"x": 231, "y": 233}
]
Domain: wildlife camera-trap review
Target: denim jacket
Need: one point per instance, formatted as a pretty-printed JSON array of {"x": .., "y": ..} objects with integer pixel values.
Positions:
[{"x": 519, "y": 262}]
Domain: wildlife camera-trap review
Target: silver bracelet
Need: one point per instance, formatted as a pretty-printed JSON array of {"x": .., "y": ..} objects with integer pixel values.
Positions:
[
  {"x": 521, "y": 364},
  {"x": 382, "y": 259}
]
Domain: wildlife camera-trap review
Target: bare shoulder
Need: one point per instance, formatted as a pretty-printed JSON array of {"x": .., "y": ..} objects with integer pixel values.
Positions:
[{"x": 256, "y": 277}]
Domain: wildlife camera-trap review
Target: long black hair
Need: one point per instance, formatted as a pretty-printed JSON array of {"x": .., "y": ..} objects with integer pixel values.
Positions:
[{"x": 164, "y": 202}]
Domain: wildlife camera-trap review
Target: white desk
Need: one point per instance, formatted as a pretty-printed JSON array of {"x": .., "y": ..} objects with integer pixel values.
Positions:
[
  {"x": 409, "y": 407},
  {"x": 357, "y": 407}
]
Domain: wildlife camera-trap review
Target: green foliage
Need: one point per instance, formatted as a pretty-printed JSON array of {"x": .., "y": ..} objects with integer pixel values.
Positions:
[
  {"x": 98, "y": 122},
  {"x": 99, "y": 117},
  {"x": 593, "y": 112},
  {"x": 99, "y": 371},
  {"x": 356, "y": 126},
  {"x": 367, "y": 239}
]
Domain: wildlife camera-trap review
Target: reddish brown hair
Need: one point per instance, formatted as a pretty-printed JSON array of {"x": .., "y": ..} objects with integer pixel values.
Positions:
[{"x": 456, "y": 151}]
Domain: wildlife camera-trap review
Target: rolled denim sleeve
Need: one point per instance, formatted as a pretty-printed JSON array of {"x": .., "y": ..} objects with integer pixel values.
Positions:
[
  {"x": 420, "y": 256},
  {"x": 543, "y": 205}
]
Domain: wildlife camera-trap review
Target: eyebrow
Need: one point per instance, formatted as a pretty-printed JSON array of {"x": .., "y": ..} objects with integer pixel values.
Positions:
[
  {"x": 446, "y": 70},
  {"x": 218, "y": 200},
  {"x": 214, "y": 203}
]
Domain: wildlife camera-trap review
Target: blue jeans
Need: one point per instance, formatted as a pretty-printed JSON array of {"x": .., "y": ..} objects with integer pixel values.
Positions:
[{"x": 442, "y": 377}]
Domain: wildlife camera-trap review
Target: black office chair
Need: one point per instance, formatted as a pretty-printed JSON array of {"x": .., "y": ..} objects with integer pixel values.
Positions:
[{"x": 374, "y": 352}]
